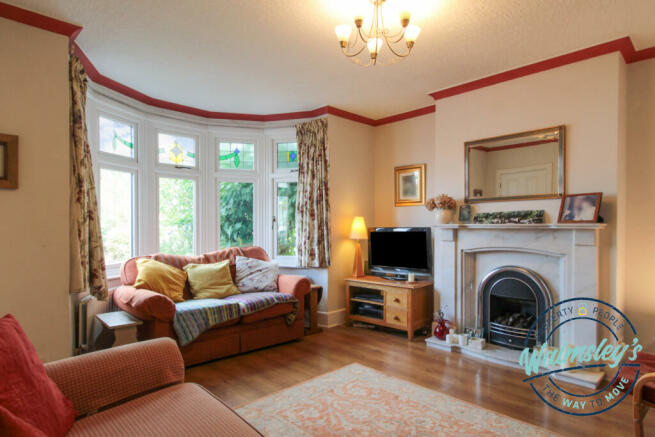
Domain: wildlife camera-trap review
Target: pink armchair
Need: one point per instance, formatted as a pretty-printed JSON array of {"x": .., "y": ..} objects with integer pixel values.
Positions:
[{"x": 139, "y": 389}]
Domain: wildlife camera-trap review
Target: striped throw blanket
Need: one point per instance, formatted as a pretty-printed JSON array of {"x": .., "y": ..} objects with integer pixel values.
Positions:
[{"x": 193, "y": 317}]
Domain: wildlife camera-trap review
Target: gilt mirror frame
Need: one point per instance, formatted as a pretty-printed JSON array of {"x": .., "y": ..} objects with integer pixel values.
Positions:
[{"x": 561, "y": 176}]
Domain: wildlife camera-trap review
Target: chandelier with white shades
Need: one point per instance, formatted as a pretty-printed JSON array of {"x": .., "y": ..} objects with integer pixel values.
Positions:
[{"x": 377, "y": 37}]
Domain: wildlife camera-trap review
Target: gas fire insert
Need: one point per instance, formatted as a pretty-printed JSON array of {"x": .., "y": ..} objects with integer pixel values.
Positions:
[{"x": 510, "y": 299}]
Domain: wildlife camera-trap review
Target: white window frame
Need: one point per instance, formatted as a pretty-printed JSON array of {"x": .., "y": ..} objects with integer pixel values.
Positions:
[
  {"x": 196, "y": 214},
  {"x": 164, "y": 170},
  {"x": 176, "y": 133},
  {"x": 114, "y": 162},
  {"x": 107, "y": 156},
  {"x": 282, "y": 135},
  {"x": 282, "y": 171},
  {"x": 254, "y": 176},
  {"x": 207, "y": 174}
]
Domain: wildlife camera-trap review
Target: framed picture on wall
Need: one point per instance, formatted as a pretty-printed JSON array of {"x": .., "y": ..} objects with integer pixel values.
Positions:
[
  {"x": 409, "y": 185},
  {"x": 580, "y": 208},
  {"x": 8, "y": 161}
]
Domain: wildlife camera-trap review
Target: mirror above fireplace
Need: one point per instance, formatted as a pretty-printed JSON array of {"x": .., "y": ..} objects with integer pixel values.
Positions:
[{"x": 526, "y": 165}]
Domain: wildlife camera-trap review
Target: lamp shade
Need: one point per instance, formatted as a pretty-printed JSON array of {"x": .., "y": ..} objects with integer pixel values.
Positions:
[{"x": 358, "y": 229}]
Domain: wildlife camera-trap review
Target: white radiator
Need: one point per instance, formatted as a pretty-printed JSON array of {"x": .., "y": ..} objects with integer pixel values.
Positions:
[{"x": 88, "y": 328}]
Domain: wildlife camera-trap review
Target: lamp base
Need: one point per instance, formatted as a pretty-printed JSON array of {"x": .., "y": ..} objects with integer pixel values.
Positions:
[{"x": 358, "y": 267}]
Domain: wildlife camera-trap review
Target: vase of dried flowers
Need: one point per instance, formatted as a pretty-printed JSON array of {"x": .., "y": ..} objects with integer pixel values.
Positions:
[{"x": 443, "y": 206}]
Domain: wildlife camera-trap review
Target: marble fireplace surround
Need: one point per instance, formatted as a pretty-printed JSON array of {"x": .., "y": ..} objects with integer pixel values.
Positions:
[{"x": 565, "y": 256}]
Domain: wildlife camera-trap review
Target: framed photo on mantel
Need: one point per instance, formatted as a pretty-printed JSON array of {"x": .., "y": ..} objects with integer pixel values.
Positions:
[
  {"x": 409, "y": 185},
  {"x": 580, "y": 208},
  {"x": 8, "y": 161}
]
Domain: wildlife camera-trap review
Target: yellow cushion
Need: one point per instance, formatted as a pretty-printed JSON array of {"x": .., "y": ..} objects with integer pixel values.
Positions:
[
  {"x": 162, "y": 278},
  {"x": 211, "y": 281}
]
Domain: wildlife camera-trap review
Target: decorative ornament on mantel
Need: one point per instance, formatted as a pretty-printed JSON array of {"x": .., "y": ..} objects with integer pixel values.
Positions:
[
  {"x": 399, "y": 43},
  {"x": 443, "y": 206}
]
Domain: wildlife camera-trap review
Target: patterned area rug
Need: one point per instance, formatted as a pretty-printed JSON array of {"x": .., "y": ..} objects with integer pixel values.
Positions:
[{"x": 357, "y": 400}]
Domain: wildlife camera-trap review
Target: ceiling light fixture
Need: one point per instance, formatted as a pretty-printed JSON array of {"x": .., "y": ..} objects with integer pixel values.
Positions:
[{"x": 377, "y": 37}]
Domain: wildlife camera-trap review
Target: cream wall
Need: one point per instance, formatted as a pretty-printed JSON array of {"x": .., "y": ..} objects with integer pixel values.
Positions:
[
  {"x": 34, "y": 218},
  {"x": 351, "y": 188},
  {"x": 405, "y": 142},
  {"x": 640, "y": 214},
  {"x": 584, "y": 96}
]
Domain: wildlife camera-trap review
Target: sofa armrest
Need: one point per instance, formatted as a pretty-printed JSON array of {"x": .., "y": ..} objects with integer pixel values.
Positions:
[
  {"x": 99, "y": 379},
  {"x": 298, "y": 286},
  {"x": 144, "y": 304}
]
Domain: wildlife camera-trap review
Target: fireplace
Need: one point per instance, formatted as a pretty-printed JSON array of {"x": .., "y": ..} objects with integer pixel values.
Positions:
[{"x": 510, "y": 300}]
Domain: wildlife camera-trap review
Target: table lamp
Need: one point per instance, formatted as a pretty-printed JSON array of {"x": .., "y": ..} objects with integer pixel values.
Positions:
[{"x": 358, "y": 232}]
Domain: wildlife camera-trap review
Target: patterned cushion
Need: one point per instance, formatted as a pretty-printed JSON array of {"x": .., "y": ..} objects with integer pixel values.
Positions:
[{"x": 253, "y": 275}]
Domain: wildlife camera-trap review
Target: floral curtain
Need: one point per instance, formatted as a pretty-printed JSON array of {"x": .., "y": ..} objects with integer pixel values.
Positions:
[
  {"x": 87, "y": 260},
  {"x": 312, "y": 199}
]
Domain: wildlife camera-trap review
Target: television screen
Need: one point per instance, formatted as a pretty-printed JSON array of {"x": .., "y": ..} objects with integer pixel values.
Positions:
[{"x": 399, "y": 248}]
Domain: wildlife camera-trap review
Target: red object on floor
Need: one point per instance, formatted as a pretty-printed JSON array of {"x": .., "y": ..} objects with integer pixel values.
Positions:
[
  {"x": 441, "y": 329},
  {"x": 30, "y": 402}
]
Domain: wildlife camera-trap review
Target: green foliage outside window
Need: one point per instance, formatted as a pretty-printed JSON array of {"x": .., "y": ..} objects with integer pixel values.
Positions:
[
  {"x": 176, "y": 216},
  {"x": 286, "y": 209},
  {"x": 236, "y": 214},
  {"x": 116, "y": 214}
]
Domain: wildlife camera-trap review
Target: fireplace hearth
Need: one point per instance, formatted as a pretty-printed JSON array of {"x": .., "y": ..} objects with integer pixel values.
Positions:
[{"x": 510, "y": 300}]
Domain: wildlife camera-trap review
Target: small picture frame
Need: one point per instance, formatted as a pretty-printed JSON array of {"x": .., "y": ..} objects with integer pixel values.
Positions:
[
  {"x": 580, "y": 208},
  {"x": 465, "y": 213},
  {"x": 410, "y": 185},
  {"x": 8, "y": 161}
]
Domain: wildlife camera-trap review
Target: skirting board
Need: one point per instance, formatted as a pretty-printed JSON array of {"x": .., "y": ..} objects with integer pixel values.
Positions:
[{"x": 330, "y": 319}]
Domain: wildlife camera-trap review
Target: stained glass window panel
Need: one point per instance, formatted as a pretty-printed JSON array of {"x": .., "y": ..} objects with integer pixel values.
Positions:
[
  {"x": 287, "y": 155},
  {"x": 177, "y": 212},
  {"x": 238, "y": 156},
  {"x": 116, "y": 214},
  {"x": 177, "y": 150},
  {"x": 236, "y": 214},
  {"x": 286, "y": 218},
  {"x": 116, "y": 137}
]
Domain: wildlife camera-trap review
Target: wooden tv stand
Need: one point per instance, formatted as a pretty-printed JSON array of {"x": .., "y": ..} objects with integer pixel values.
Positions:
[{"x": 404, "y": 305}]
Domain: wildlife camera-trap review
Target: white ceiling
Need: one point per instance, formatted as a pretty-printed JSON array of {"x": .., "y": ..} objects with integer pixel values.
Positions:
[{"x": 272, "y": 56}]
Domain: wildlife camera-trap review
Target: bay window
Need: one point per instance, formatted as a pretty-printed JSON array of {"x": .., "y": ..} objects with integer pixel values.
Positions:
[{"x": 184, "y": 187}]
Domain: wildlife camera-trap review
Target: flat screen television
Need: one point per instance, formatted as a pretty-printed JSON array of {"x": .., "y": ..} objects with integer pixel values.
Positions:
[{"x": 395, "y": 252}]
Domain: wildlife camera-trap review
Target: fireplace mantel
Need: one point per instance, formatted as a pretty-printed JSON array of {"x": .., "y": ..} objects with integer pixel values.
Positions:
[
  {"x": 566, "y": 256},
  {"x": 563, "y": 226}
]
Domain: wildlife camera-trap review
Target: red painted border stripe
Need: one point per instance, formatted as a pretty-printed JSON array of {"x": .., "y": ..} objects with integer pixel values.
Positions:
[
  {"x": 622, "y": 45},
  {"x": 405, "y": 115},
  {"x": 103, "y": 80},
  {"x": 642, "y": 55},
  {"x": 44, "y": 22}
]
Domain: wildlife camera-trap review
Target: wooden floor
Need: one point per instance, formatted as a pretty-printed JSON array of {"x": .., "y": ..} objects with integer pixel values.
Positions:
[{"x": 245, "y": 378}]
